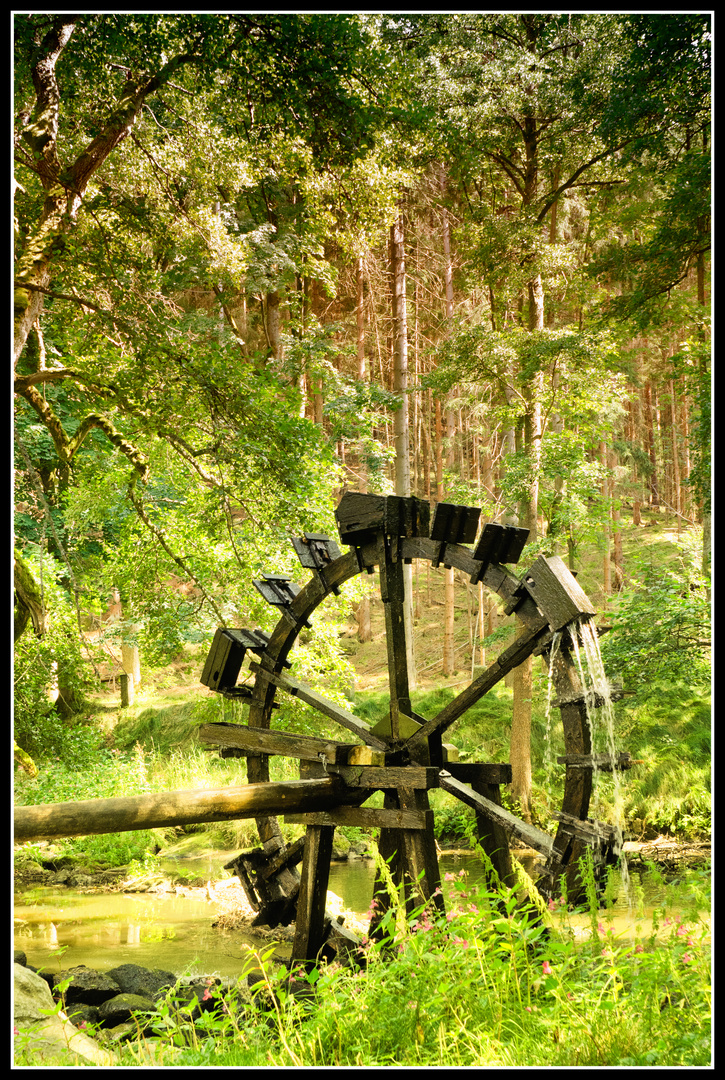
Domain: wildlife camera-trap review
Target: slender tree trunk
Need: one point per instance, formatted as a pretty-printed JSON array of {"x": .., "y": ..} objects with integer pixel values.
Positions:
[
  {"x": 362, "y": 614},
  {"x": 400, "y": 422},
  {"x": 449, "y": 658},
  {"x": 617, "y": 551},
  {"x": 606, "y": 565},
  {"x": 649, "y": 423}
]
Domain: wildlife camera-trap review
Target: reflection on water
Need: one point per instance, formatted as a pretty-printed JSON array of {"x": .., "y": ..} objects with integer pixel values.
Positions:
[
  {"x": 176, "y": 933},
  {"x": 102, "y": 931}
]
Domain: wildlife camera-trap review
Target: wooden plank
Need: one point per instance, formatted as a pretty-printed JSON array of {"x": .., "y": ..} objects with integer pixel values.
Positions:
[
  {"x": 289, "y": 857},
  {"x": 530, "y": 835},
  {"x": 589, "y": 831},
  {"x": 364, "y": 817},
  {"x": 265, "y": 741},
  {"x": 492, "y": 834},
  {"x": 407, "y": 726},
  {"x": 603, "y": 762},
  {"x": 362, "y": 776},
  {"x": 305, "y": 693},
  {"x": 556, "y": 592},
  {"x": 392, "y": 592},
  {"x": 484, "y": 773},
  {"x": 455, "y": 524},
  {"x": 314, "y": 878},
  {"x": 359, "y": 516}
]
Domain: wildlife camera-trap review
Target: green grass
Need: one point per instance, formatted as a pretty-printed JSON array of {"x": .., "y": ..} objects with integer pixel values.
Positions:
[{"x": 494, "y": 982}]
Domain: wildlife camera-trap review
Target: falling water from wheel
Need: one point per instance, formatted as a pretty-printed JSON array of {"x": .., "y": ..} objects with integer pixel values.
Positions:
[{"x": 600, "y": 716}]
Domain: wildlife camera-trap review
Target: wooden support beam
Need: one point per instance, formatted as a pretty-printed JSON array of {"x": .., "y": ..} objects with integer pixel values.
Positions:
[
  {"x": 492, "y": 834},
  {"x": 410, "y": 776},
  {"x": 264, "y": 741},
  {"x": 314, "y": 877},
  {"x": 533, "y": 837},
  {"x": 591, "y": 832},
  {"x": 95, "y": 816},
  {"x": 603, "y": 762},
  {"x": 305, "y": 693},
  {"x": 484, "y": 773},
  {"x": 364, "y": 817}
]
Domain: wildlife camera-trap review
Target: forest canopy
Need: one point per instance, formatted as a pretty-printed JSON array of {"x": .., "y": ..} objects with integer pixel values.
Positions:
[{"x": 211, "y": 214}]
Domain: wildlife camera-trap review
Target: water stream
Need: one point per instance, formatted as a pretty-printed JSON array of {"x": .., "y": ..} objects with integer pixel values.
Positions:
[{"x": 59, "y": 928}]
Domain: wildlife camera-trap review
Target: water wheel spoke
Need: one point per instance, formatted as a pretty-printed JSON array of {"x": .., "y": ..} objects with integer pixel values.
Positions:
[
  {"x": 521, "y": 649},
  {"x": 322, "y": 704}
]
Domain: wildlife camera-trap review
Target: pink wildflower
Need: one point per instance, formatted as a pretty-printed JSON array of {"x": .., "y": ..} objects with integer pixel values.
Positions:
[
  {"x": 601, "y": 929},
  {"x": 681, "y": 931},
  {"x": 449, "y": 877},
  {"x": 639, "y": 948},
  {"x": 686, "y": 958},
  {"x": 207, "y": 995},
  {"x": 551, "y": 905},
  {"x": 546, "y": 968}
]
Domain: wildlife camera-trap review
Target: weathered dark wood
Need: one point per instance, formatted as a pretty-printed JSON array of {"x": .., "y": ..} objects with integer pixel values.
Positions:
[
  {"x": 277, "y": 589},
  {"x": 592, "y": 699},
  {"x": 455, "y": 524},
  {"x": 602, "y": 762},
  {"x": 390, "y": 849},
  {"x": 557, "y": 594},
  {"x": 315, "y": 550},
  {"x": 421, "y": 874},
  {"x": 498, "y": 544},
  {"x": 593, "y": 832},
  {"x": 484, "y": 773},
  {"x": 96, "y": 816},
  {"x": 362, "y": 516},
  {"x": 270, "y": 881},
  {"x": 364, "y": 817},
  {"x": 265, "y": 741},
  {"x": 530, "y": 835},
  {"x": 314, "y": 877},
  {"x": 492, "y": 835},
  {"x": 305, "y": 693},
  {"x": 392, "y": 593},
  {"x": 289, "y": 857},
  {"x": 367, "y": 776},
  {"x": 224, "y": 660}
]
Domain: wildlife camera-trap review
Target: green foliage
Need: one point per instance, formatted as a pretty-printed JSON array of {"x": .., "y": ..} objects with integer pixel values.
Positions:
[
  {"x": 42, "y": 665},
  {"x": 661, "y": 625},
  {"x": 493, "y": 982}
]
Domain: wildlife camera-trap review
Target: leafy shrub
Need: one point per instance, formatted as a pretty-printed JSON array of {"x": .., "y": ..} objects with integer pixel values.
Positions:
[{"x": 40, "y": 664}]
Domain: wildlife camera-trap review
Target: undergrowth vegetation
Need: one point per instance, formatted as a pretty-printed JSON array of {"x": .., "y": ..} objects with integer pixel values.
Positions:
[{"x": 496, "y": 980}]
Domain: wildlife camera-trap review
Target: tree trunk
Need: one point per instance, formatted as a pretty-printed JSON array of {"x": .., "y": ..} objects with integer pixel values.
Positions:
[
  {"x": 606, "y": 575},
  {"x": 521, "y": 736},
  {"x": 617, "y": 551},
  {"x": 400, "y": 420}
]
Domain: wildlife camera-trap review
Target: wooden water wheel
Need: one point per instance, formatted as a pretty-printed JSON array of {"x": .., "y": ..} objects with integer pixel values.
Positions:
[{"x": 404, "y": 755}]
